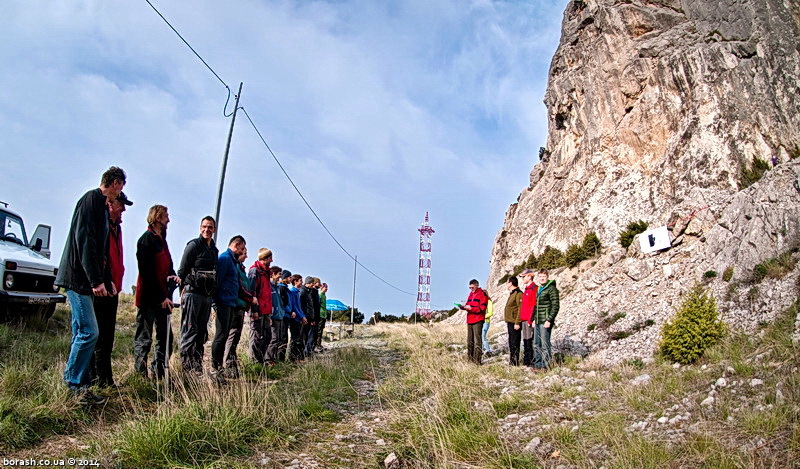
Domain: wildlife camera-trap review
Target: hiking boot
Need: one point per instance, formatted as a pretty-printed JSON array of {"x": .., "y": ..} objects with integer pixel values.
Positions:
[
  {"x": 87, "y": 397},
  {"x": 216, "y": 377}
]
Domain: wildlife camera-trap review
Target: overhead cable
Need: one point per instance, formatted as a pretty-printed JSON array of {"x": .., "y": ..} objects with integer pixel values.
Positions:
[{"x": 313, "y": 212}]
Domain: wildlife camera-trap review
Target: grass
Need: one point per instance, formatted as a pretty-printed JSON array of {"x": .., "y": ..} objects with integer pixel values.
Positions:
[{"x": 439, "y": 410}]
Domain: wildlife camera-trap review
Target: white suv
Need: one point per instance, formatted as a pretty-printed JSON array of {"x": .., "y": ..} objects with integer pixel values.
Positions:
[{"x": 26, "y": 271}]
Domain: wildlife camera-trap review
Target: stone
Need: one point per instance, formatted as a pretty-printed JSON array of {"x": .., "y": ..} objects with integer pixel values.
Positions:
[
  {"x": 532, "y": 445},
  {"x": 641, "y": 379},
  {"x": 756, "y": 382},
  {"x": 380, "y": 442},
  {"x": 721, "y": 382},
  {"x": 391, "y": 461},
  {"x": 663, "y": 420},
  {"x": 708, "y": 401}
]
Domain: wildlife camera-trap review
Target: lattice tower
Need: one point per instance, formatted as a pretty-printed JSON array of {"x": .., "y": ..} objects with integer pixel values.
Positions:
[{"x": 424, "y": 283}]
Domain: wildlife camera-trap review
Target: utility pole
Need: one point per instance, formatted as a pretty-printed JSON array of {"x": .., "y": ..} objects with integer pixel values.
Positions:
[
  {"x": 353, "y": 304},
  {"x": 225, "y": 161}
]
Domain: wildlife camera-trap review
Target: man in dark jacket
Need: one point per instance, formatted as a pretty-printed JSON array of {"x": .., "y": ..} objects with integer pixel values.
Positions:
[
  {"x": 312, "y": 315},
  {"x": 153, "y": 294},
  {"x": 197, "y": 274},
  {"x": 547, "y": 306},
  {"x": 513, "y": 323},
  {"x": 84, "y": 272},
  {"x": 105, "y": 307},
  {"x": 225, "y": 301}
]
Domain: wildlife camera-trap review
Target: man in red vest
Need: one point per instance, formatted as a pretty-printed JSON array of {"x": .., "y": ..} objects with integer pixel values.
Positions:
[{"x": 475, "y": 307}]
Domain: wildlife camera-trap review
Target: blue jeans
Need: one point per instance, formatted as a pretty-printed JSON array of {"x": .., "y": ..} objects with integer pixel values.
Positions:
[
  {"x": 486, "y": 347},
  {"x": 541, "y": 346},
  {"x": 84, "y": 338}
]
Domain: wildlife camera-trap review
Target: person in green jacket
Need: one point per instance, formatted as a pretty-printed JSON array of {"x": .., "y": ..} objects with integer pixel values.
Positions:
[
  {"x": 547, "y": 305},
  {"x": 513, "y": 323},
  {"x": 323, "y": 313}
]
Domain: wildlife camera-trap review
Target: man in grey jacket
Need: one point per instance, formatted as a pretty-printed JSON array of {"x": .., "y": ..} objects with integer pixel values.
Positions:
[{"x": 84, "y": 273}]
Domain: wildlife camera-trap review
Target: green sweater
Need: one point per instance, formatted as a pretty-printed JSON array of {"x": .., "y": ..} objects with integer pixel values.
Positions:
[
  {"x": 512, "y": 306},
  {"x": 323, "y": 307},
  {"x": 547, "y": 303}
]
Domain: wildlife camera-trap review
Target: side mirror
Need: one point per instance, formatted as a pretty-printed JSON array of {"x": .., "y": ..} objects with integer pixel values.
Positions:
[{"x": 37, "y": 246}]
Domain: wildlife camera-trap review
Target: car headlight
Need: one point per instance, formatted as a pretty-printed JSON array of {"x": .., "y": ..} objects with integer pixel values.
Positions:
[{"x": 9, "y": 281}]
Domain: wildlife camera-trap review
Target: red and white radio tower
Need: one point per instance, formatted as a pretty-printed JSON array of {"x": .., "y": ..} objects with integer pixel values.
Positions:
[{"x": 424, "y": 284}]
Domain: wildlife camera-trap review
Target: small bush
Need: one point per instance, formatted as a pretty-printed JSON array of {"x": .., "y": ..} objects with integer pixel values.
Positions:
[
  {"x": 710, "y": 274},
  {"x": 504, "y": 279},
  {"x": 591, "y": 244},
  {"x": 626, "y": 236},
  {"x": 775, "y": 268},
  {"x": 694, "y": 328},
  {"x": 574, "y": 255},
  {"x": 619, "y": 335},
  {"x": 753, "y": 174},
  {"x": 591, "y": 327},
  {"x": 551, "y": 258},
  {"x": 728, "y": 274}
]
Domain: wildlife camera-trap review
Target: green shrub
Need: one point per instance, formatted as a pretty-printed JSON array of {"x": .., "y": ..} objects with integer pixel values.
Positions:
[
  {"x": 530, "y": 262},
  {"x": 574, "y": 255},
  {"x": 710, "y": 274},
  {"x": 694, "y": 328},
  {"x": 775, "y": 267},
  {"x": 551, "y": 258},
  {"x": 504, "y": 279},
  {"x": 634, "y": 228},
  {"x": 591, "y": 327},
  {"x": 619, "y": 335},
  {"x": 753, "y": 174},
  {"x": 728, "y": 274},
  {"x": 592, "y": 245}
]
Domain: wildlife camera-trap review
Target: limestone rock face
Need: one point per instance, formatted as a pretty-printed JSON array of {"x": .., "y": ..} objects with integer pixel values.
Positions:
[{"x": 655, "y": 108}]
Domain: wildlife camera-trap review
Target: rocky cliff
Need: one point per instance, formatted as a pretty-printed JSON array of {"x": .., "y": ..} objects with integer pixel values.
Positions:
[{"x": 656, "y": 110}]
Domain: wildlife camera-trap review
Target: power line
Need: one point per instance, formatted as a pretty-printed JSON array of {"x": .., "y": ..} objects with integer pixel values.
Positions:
[
  {"x": 311, "y": 209},
  {"x": 196, "y": 54},
  {"x": 273, "y": 154}
]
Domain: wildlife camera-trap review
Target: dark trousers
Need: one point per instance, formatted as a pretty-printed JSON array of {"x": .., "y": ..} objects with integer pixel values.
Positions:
[
  {"x": 311, "y": 340},
  {"x": 527, "y": 344},
  {"x": 320, "y": 330},
  {"x": 260, "y": 338},
  {"x": 222, "y": 326},
  {"x": 195, "y": 312},
  {"x": 296, "y": 346},
  {"x": 234, "y": 335},
  {"x": 475, "y": 342},
  {"x": 105, "y": 309},
  {"x": 514, "y": 337},
  {"x": 276, "y": 350},
  {"x": 146, "y": 318}
]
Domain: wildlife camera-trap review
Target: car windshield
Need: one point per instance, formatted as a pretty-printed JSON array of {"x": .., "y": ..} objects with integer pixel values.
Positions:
[{"x": 12, "y": 228}]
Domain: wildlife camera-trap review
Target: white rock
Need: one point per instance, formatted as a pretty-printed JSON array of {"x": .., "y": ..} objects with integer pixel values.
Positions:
[
  {"x": 532, "y": 445},
  {"x": 721, "y": 383},
  {"x": 676, "y": 365},
  {"x": 756, "y": 382},
  {"x": 641, "y": 379},
  {"x": 779, "y": 397},
  {"x": 709, "y": 401},
  {"x": 391, "y": 461},
  {"x": 730, "y": 370},
  {"x": 380, "y": 442},
  {"x": 663, "y": 420}
]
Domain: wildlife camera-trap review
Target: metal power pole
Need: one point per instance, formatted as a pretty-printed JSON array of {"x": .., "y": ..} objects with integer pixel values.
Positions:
[
  {"x": 353, "y": 304},
  {"x": 225, "y": 161}
]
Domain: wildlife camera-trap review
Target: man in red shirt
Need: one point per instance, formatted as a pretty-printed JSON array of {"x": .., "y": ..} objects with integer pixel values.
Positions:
[
  {"x": 105, "y": 307},
  {"x": 475, "y": 306}
]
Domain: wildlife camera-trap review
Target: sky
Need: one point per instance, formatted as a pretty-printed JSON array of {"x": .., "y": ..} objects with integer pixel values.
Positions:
[{"x": 379, "y": 112}]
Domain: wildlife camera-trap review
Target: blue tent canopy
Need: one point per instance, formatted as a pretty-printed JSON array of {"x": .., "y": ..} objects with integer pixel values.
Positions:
[{"x": 335, "y": 305}]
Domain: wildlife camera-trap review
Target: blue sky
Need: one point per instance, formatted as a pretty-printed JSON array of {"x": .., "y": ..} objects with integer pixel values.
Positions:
[{"x": 380, "y": 111}]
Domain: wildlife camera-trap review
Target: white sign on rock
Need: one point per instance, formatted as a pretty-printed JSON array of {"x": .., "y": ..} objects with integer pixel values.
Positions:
[{"x": 655, "y": 240}]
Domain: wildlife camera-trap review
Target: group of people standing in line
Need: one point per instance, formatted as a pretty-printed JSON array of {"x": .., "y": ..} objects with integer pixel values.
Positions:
[
  {"x": 529, "y": 317},
  {"x": 278, "y": 303}
]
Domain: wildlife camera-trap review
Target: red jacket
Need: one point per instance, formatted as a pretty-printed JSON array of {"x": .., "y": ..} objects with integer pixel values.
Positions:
[
  {"x": 262, "y": 288},
  {"x": 528, "y": 303},
  {"x": 478, "y": 300},
  {"x": 115, "y": 256}
]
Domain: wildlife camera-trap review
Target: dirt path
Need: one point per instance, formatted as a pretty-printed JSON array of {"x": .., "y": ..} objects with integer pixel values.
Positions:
[{"x": 356, "y": 441}]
